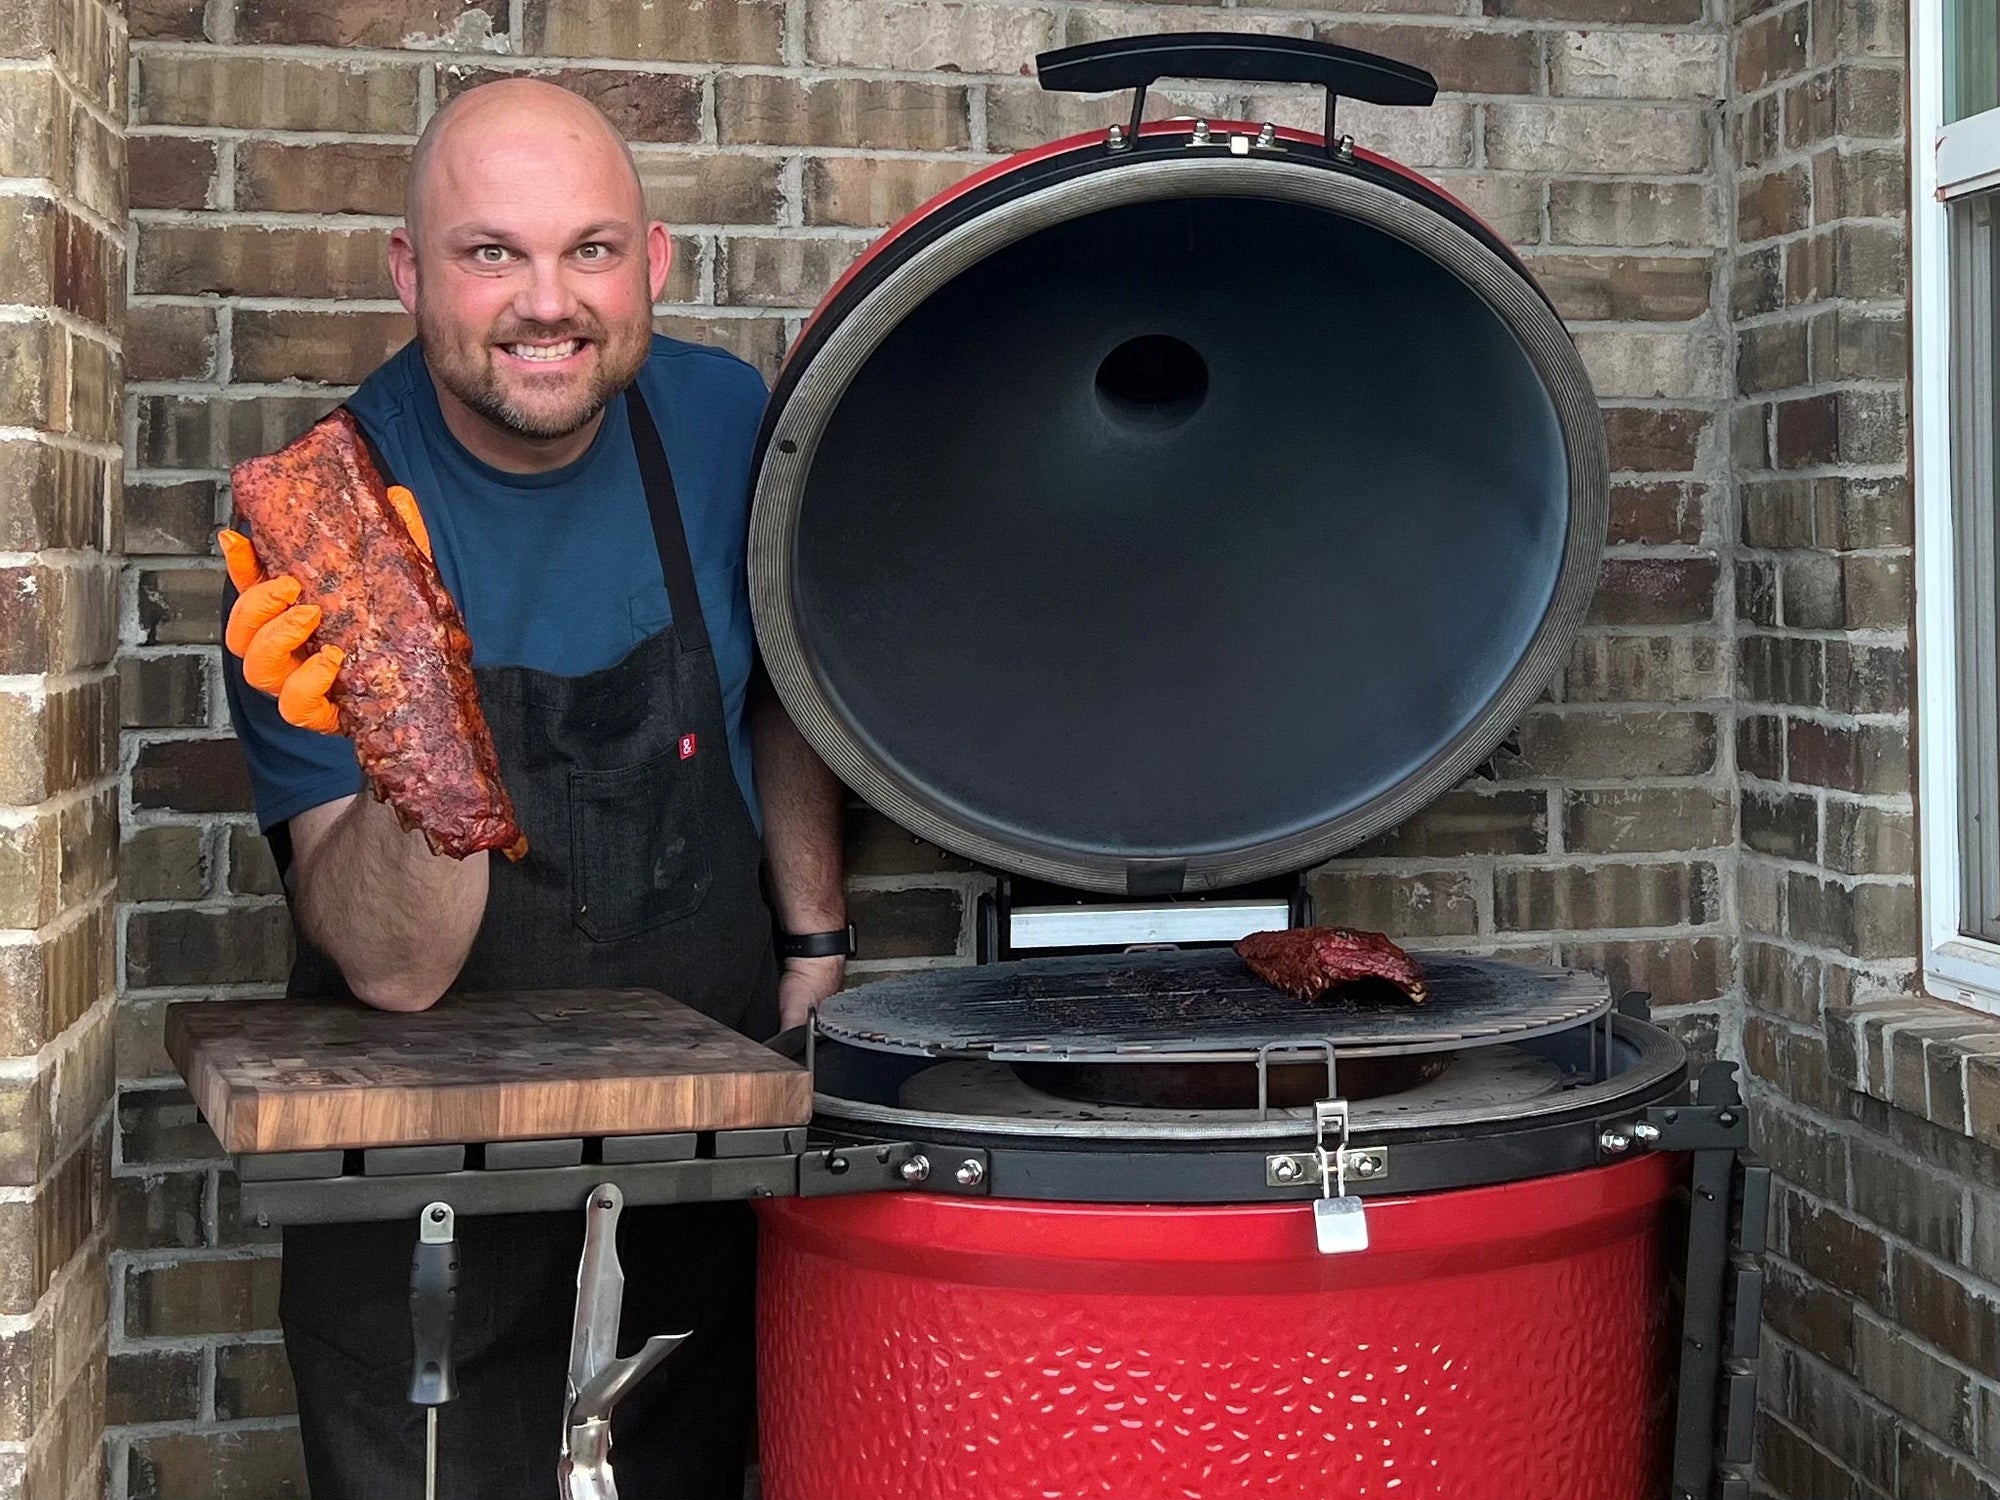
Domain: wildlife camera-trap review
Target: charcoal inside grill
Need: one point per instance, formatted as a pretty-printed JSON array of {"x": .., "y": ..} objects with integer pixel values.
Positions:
[{"x": 1198, "y": 1005}]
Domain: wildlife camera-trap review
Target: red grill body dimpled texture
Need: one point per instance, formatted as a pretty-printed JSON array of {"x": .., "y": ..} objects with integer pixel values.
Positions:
[{"x": 1502, "y": 1343}]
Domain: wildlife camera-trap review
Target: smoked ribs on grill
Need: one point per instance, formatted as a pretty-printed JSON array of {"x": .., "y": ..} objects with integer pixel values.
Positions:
[
  {"x": 319, "y": 510},
  {"x": 1309, "y": 961}
]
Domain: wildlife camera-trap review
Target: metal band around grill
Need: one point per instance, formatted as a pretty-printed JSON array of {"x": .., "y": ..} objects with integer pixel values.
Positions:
[
  {"x": 1228, "y": 1155},
  {"x": 789, "y": 455}
]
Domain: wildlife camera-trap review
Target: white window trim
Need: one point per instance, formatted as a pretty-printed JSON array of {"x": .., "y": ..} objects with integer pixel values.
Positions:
[
  {"x": 1945, "y": 161},
  {"x": 1968, "y": 153}
]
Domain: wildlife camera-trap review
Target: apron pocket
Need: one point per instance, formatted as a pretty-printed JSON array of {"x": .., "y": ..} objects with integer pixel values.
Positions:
[{"x": 638, "y": 850}]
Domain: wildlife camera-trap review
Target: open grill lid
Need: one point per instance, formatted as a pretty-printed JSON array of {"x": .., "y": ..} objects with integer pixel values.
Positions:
[{"x": 1158, "y": 512}]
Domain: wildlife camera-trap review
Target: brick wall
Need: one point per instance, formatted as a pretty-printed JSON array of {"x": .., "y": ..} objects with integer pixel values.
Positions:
[
  {"x": 62, "y": 296},
  {"x": 1879, "y": 1109}
]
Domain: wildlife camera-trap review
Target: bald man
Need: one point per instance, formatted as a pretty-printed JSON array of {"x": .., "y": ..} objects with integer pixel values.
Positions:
[{"x": 584, "y": 484}]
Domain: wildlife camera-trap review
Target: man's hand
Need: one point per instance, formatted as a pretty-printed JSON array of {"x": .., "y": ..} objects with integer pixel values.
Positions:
[
  {"x": 804, "y": 983},
  {"x": 271, "y": 630}
]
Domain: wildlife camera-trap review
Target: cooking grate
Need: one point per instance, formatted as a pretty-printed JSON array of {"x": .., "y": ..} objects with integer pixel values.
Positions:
[{"x": 1195, "y": 1006}]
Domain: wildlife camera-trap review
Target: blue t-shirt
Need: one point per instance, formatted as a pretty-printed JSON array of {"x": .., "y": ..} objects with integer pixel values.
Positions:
[{"x": 559, "y": 571}]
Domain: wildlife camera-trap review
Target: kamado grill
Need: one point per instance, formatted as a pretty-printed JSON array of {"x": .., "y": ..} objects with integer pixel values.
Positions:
[
  {"x": 1149, "y": 518},
  {"x": 1157, "y": 514}
]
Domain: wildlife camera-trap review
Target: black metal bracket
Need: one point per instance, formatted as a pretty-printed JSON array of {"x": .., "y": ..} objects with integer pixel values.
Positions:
[
  {"x": 1716, "y": 1119},
  {"x": 338, "y": 1187},
  {"x": 889, "y": 1166},
  {"x": 1729, "y": 1196},
  {"x": 471, "y": 1191}
]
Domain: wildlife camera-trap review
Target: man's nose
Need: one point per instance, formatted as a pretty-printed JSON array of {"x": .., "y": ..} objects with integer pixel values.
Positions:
[{"x": 546, "y": 298}]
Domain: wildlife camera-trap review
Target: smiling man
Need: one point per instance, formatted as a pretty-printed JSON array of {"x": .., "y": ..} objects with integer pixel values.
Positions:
[{"x": 584, "y": 485}]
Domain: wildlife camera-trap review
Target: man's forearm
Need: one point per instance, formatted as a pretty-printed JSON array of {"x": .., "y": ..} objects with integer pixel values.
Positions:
[
  {"x": 802, "y": 803},
  {"x": 397, "y": 919}
]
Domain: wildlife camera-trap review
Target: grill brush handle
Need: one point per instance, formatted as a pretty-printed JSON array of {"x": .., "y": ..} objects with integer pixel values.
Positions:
[{"x": 1140, "y": 61}]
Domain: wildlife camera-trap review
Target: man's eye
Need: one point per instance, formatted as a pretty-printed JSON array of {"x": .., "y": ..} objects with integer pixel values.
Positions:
[
  {"x": 490, "y": 255},
  {"x": 593, "y": 251}
]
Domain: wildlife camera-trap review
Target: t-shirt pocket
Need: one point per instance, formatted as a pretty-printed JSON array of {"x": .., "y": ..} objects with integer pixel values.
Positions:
[{"x": 637, "y": 847}]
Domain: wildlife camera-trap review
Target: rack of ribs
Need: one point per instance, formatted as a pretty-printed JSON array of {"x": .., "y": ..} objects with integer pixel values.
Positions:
[
  {"x": 319, "y": 510},
  {"x": 1309, "y": 961}
]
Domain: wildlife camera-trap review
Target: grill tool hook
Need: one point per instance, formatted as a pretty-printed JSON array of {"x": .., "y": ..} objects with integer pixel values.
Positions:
[{"x": 598, "y": 1379}]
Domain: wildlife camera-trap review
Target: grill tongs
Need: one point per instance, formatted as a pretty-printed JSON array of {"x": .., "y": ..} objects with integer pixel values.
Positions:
[{"x": 598, "y": 1379}]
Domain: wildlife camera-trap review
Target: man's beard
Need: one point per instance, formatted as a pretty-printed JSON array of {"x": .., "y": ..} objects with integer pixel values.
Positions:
[{"x": 469, "y": 371}]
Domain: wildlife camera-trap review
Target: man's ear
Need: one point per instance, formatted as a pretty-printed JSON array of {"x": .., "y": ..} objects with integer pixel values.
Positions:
[
  {"x": 659, "y": 257},
  {"x": 403, "y": 268}
]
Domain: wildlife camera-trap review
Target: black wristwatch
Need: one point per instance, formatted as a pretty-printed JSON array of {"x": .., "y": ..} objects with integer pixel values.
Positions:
[{"x": 837, "y": 944}]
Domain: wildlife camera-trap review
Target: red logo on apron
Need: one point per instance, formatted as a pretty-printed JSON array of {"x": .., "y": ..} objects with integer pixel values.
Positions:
[{"x": 687, "y": 747}]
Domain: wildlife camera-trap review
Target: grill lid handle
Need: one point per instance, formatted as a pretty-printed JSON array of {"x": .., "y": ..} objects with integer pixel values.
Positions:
[{"x": 1140, "y": 61}]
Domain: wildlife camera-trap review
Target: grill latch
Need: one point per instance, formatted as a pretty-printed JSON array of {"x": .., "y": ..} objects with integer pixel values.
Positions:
[{"x": 1340, "y": 1223}]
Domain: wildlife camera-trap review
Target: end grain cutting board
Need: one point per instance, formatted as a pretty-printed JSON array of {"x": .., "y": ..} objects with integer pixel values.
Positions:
[{"x": 302, "y": 1075}]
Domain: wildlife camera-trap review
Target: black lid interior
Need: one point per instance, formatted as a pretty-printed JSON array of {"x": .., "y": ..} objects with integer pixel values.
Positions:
[{"x": 1176, "y": 535}]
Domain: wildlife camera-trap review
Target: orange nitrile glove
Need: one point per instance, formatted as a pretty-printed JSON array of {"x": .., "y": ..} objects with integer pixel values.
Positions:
[
  {"x": 412, "y": 518},
  {"x": 269, "y": 629}
]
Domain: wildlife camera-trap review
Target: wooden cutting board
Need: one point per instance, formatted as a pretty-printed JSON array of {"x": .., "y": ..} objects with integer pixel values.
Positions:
[{"x": 299, "y": 1075}]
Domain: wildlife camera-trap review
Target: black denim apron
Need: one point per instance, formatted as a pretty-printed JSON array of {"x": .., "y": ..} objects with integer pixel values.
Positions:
[{"x": 643, "y": 868}]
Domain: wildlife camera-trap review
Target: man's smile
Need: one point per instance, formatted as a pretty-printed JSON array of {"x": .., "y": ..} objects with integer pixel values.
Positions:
[{"x": 546, "y": 354}]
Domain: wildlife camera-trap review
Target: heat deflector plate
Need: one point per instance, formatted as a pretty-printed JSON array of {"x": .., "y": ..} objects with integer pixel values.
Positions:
[{"x": 1198, "y": 1005}]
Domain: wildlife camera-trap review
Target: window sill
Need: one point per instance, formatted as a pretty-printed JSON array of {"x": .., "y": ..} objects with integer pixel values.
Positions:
[{"x": 1927, "y": 1057}]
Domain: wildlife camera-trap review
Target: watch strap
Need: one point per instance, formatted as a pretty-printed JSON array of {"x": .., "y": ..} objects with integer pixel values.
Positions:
[{"x": 836, "y": 944}]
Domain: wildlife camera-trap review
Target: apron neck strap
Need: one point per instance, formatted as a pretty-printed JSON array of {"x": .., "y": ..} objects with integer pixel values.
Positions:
[
  {"x": 663, "y": 505},
  {"x": 368, "y": 445}
]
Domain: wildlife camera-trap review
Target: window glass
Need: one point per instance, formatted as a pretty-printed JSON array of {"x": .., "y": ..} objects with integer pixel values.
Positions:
[
  {"x": 1972, "y": 58},
  {"x": 1975, "y": 426}
]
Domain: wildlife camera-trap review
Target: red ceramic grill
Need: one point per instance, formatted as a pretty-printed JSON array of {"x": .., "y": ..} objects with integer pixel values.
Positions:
[
  {"x": 1152, "y": 516},
  {"x": 1503, "y": 1342}
]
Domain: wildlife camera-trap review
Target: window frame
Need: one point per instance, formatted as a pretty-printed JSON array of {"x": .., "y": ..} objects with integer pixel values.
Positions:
[{"x": 1947, "y": 161}]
